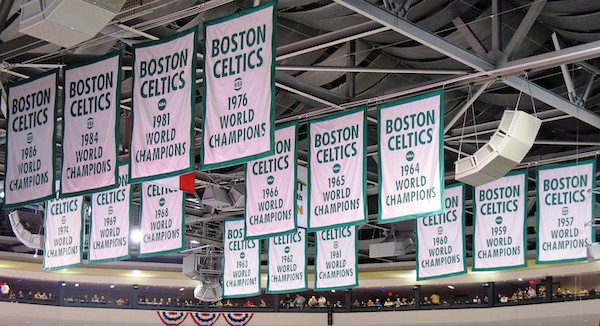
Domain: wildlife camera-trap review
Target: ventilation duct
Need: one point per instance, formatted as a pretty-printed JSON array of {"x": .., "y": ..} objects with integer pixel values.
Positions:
[
  {"x": 33, "y": 241},
  {"x": 67, "y": 22}
]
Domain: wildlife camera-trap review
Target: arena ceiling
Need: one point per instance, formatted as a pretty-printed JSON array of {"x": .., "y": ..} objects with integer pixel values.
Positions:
[{"x": 487, "y": 56}]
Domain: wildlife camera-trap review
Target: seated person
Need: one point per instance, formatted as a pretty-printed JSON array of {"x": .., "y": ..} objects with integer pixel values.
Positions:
[
  {"x": 388, "y": 303},
  {"x": 249, "y": 303},
  {"x": 398, "y": 302},
  {"x": 298, "y": 301},
  {"x": 435, "y": 298},
  {"x": 313, "y": 302},
  {"x": 322, "y": 301},
  {"x": 263, "y": 303}
]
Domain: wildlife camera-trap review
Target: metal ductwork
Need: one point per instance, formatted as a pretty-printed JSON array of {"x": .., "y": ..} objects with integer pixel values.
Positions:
[{"x": 67, "y": 22}]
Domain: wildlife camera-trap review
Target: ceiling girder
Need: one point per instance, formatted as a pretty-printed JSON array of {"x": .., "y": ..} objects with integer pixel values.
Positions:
[
  {"x": 519, "y": 36},
  {"x": 468, "y": 58}
]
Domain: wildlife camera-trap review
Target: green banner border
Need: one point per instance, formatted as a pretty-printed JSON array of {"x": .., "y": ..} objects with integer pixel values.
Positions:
[
  {"x": 537, "y": 212},
  {"x": 117, "y": 97},
  {"x": 96, "y": 261},
  {"x": 193, "y": 30},
  {"x": 81, "y": 243},
  {"x": 258, "y": 244},
  {"x": 302, "y": 289},
  {"x": 439, "y": 93},
  {"x": 295, "y": 210},
  {"x": 464, "y": 244},
  {"x": 525, "y": 174},
  {"x": 53, "y": 144},
  {"x": 241, "y": 160},
  {"x": 169, "y": 251},
  {"x": 364, "y": 174},
  {"x": 355, "y": 262}
]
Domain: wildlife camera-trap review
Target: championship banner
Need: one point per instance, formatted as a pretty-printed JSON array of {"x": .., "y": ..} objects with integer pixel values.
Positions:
[
  {"x": 336, "y": 265},
  {"x": 441, "y": 238},
  {"x": 161, "y": 220},
  {"x": 565, "y": 211},
  {"x": 500, "y": 223},
  {"x": 110, "y": 221},
  {"x": 63, "y": 233},
  {"x": 411, "y": 158},
  {"x": 271, "y": 188},
  {"x": 337, "y": 170},
  {"x": 30, "y": 140},
  {"x": 287, "y": 263},
  {"x": 239, "y": 87},
  {"x": 164, "y": 102},
  {"x": 241, "y": 262},
  {"x": 90, "y": 146}
]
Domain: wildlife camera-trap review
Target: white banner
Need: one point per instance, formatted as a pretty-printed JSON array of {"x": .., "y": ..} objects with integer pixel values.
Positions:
[
  {"x": 271, "y": 188},
  {"x": 63, "y": 234},
  {"x": 287, "y": 263},
  {"x": 30, "y": 140},
  {"x": 91, "y": 114},
  {"x": 500, "y": 223},
  {"x": 337, "y": 176},
  {"x": 239, "y": 87},
  {"x": 110, "y": 221},
  {"x": 336, "y": 264},
  {"x": 411, "y": 158},
  {"x": 161, "y": 220},
  {"x": 302, "y": 197},
  {"x": 441, "y": 238},
  {"x": 241, "y": 263},
  {"x": 164, "y": 102},
  {"x": 566, "y": 210}
]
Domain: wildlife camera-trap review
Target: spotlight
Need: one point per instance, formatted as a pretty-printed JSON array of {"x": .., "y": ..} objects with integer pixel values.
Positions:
[
  {"x": 112, "y": 286},
  {"x": 76, "y": 285},
  {"x": 451, "y": 287},
  {"x": 63, "y": 284},
  {"x": 136, "y": 236},
  {"x": 486, "y": 285}
]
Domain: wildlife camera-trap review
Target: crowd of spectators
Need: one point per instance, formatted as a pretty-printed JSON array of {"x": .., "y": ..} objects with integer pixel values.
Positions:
[
  {"x": 22, "y": 295},
  {"x": 311, "y": 300}
]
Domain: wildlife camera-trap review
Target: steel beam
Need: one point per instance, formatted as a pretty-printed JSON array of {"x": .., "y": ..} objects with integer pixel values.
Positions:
[
  {"x": 524, "y": 27},
  {"x": 5, "y": 7},
  {"x": 466, "y": 32},
  {"x": 472, "y": 60},
  {"x": 416, "y": 33}
]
